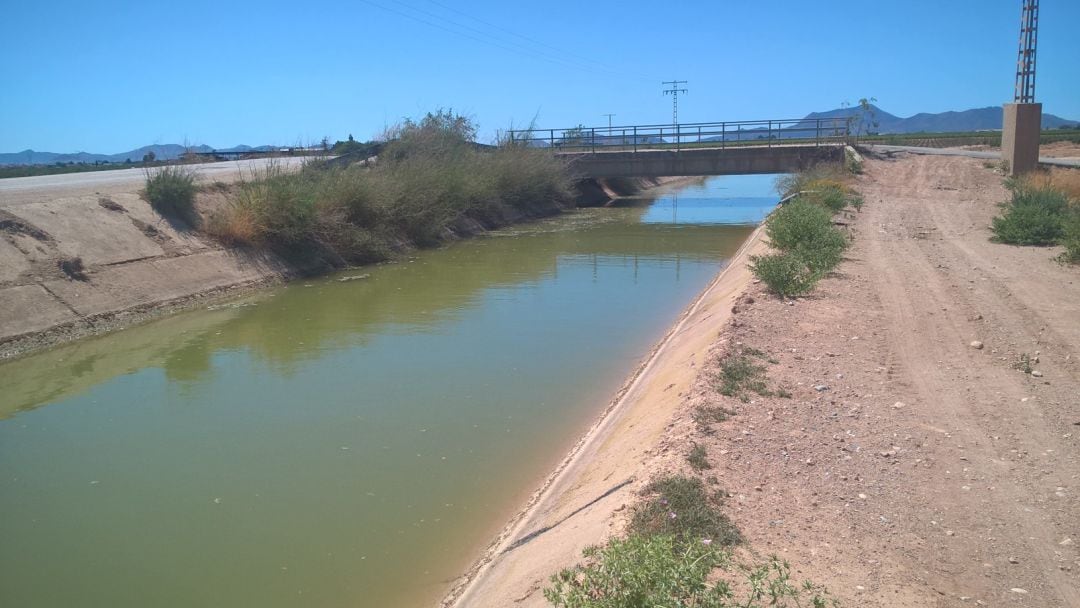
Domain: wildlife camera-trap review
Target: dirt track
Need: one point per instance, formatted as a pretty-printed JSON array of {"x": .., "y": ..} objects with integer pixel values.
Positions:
[
  {"x": 924, "y": 472},
  {"x": 929, "y": 472}
]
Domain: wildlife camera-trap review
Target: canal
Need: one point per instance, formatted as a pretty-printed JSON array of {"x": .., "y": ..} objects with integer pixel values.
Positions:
[{"x": 349, "y": 440}]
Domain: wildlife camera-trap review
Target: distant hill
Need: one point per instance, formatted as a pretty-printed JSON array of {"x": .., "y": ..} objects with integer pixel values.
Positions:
[
  {"x": 977, "y": 119},
  {"x": 161, "y": 152}
]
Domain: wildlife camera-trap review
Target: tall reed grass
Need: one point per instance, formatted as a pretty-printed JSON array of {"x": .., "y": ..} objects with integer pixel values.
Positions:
[{"x": 428, "y": 177}]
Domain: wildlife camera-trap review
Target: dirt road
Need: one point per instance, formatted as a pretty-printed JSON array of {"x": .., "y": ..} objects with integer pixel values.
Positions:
[
  {"x": 929, "y": 472},
  {"x": 24, "y": 190},
  {"x": 909, "y": 467}
]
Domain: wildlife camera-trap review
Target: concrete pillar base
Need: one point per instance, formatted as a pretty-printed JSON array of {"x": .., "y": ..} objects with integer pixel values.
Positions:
[{"x": 1020, "y": 134}]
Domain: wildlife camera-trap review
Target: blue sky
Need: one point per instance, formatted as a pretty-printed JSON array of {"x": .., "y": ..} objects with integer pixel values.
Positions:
[{"x": 111, "y": 76}]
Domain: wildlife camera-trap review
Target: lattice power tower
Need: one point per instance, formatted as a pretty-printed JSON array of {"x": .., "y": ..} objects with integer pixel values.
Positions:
[
  {"x": 1023, "y": 118},
  {"x": 1025, "y": 60}
]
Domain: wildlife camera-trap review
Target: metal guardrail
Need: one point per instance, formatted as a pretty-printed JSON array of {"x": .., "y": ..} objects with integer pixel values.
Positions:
[{"x": 721, "y": 135}]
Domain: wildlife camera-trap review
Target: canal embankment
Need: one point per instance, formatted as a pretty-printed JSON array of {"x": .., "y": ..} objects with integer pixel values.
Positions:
[
  {"x": 77, "y": 261},
  {"x": 909, "y": 437}
]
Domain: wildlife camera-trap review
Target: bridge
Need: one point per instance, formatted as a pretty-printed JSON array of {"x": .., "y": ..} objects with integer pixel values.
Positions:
[{"x": 707, "y": 148}]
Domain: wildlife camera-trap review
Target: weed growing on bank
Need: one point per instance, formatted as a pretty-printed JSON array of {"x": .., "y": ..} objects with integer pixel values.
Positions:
[
  {"x": 654, "y": 571},
  {"x": 676, "y": 554},
  {"x": 802, "y": 231},
  {"x": 740, "y": 374},
  {"x": 678, "y": 506},
  {"x": 706, "y": 415},
  {"x": 171, "y": 191},
  {"x": 428, "y": 176},
  {"x": 698, "y": 458}
]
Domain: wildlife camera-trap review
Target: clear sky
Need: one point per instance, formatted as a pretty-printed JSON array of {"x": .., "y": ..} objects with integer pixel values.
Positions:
[{"x": 106, "y": 76}]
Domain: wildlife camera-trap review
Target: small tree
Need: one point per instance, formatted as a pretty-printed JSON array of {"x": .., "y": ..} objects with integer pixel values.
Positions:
[{"x": 149, "y": 157}]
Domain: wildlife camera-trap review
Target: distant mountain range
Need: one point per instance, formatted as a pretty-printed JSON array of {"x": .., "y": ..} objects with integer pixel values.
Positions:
[
  {"x": 161, "y": 152},
  {"x": 977, "y": 119}
]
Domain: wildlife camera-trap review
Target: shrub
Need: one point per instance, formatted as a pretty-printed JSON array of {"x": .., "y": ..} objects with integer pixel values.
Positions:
[
  {"x": 282, "y": 206},
  {"x": 830, "y": 194},
  {"x": 705, "y": 416},
  {"x": 1070, "y": 237},
  {"x": 430, "y": 175},
  {"x": 806, "y": 229},
  {"x": 659, "y": 571},
  {"x": 234, "y": 225},
  {"x": 785, "y": 274},
  {"x": 739, "y": 374},
  {"x": 679, "y": 506},
  {"x": 1034, "y": 216},
  {"x": 171, "y": 191},
  {"x": 698, "y": 458}
]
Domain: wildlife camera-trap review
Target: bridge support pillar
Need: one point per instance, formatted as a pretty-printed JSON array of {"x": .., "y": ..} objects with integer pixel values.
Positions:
[{"x": 1020, "y": 136}]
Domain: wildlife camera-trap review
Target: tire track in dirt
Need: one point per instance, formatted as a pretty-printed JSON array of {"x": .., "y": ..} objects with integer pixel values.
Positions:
[{"x": 929, "y": 330}]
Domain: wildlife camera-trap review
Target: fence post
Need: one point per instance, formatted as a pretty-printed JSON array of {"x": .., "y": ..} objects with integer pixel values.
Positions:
[
  {"x": 723, "y": 135},
  {"x": 678, "y": 137},
  {"x": 635, "y": 139},
  {"x": 817, "y": 133},
  {"x": 592, "y": 137},
  {"x": 552, "y": 141},
  {"x": 770, "y": 133}
]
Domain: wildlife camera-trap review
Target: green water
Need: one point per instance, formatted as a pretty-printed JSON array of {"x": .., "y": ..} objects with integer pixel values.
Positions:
[{"x": 340, "y": 444}]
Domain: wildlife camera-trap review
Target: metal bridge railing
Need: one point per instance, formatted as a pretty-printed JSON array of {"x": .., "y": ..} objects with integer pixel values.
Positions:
[{"x": 799, "y": 131}]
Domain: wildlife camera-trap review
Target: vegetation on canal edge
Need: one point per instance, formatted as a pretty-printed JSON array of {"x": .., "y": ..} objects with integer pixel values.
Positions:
[
  {"x": 1043, "y": 209},
  {"x": 428, "y": 177},
  {"x": 802, "y": 231},
  {"x": 171, "y": 191},
  {"x": 678, "y": 542}
]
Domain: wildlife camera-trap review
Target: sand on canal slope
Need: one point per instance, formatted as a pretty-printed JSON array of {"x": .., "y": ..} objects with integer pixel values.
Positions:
[{"x": 574, "y": 507}]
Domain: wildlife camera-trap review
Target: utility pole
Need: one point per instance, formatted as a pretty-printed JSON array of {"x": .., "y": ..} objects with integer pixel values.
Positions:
[
  {"x": 1021, "y": 128},
  {"x": 1025, "y": 61},
  {"x": 608, "y": 121},
  {"x": 674, "y": 92}
]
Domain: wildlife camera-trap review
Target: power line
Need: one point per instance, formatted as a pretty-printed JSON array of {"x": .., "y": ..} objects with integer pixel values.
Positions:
[
  {"x": 674, "y": 92},
  {"x": 483, "y": 37},
  {"x": 525, "y": 38}
]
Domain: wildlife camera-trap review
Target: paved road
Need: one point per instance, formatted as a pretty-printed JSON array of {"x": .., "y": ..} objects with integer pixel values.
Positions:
[
  {"x": 23, "y": 190},
  {"x": 1045, "y": 160}
]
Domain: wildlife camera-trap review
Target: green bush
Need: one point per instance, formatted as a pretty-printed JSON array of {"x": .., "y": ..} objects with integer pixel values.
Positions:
[
  {"x": 1034, "y": 216},
  {"x": 678, "y": 506},
  {"x": 806, "y": 229},
  {"x": 698, "y": 458},
  {"x": 1070, "y": 237},
  {"x": 171, "y": 191},
  {"x": 810, "y": 246},
  {"x": 658, "y": 571},
  {"x": 641, "y": 572},
  {"x": 785, "y": 274}
]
